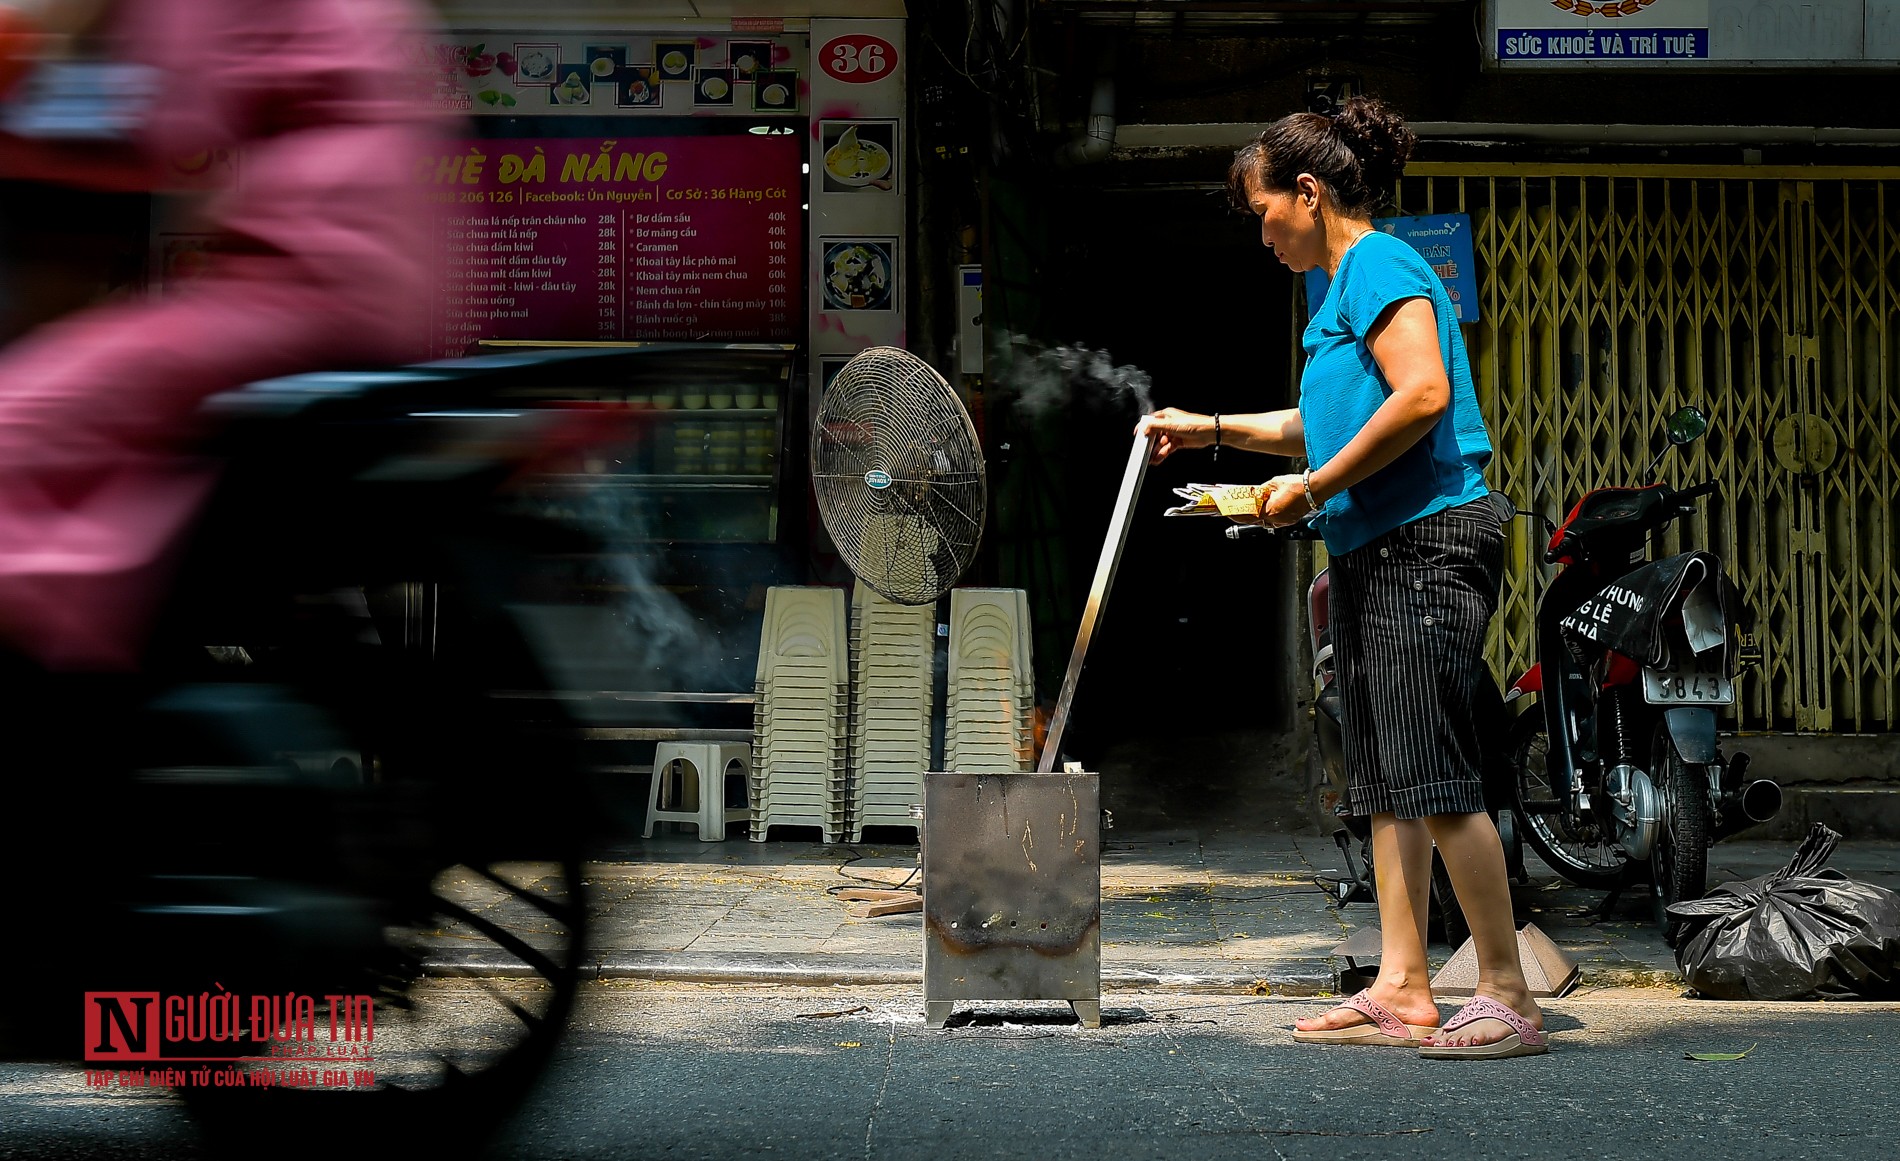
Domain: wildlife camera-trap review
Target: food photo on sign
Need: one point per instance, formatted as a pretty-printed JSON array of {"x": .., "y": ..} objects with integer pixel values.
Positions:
[
  {"x": 675, "y": 58},
  {"x": 775, "y": 91},
  {"x": 573, "y": 86},
  {"x": 859, "y": 273},
  {"x": 749, "y": 59},
  {"x": 639, "y": 87},
  {"x": 606, "y": 62},
  {"x": 859, "y": 155},
  {"x": 828, "y": 368},
  {"x": 535, "y": 64},
  {"x": 713, "y": 87}
]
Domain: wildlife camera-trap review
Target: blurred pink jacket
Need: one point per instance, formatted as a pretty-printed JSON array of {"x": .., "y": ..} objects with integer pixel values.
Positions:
[{"x": 326, "y": 265}]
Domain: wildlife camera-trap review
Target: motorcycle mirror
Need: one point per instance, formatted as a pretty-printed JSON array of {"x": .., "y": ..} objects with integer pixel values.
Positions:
[
  {"x": 1502, "y": 506},
  {"x": 1687, "y": 426}
]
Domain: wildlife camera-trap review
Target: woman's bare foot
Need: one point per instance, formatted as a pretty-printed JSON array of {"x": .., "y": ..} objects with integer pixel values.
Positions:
[
  {"x": 1488, "y": 1031},
  {"x": 1413, "y": 1005}
]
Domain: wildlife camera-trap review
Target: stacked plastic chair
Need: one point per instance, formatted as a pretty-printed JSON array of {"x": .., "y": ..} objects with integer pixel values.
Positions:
[
  {"x": 989, "y": 721},
  {"x": 798, "y": 724},
  {"x": 892, "y": 702}
]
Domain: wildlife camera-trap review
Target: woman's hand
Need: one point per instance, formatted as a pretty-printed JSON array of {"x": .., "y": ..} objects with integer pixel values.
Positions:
[
  {"x": 1175, "y": 430},
  {"x": 1283, "y": 502}
]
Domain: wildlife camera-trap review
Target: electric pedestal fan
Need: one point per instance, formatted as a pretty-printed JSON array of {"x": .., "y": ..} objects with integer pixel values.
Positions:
[{"x": 899, "y": 475}]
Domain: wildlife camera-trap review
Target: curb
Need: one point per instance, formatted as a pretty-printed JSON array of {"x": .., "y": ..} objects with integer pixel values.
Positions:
[{"x": 814, "y": 969}]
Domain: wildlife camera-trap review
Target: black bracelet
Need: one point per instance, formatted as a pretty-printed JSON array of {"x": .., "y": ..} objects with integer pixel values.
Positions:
[{"x": 1216, "y": 455}]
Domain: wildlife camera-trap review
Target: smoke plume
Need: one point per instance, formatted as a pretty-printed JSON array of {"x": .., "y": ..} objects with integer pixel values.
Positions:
[
  {"x": 1065, "y": 377},
  {"x": 646, "y": 638}
]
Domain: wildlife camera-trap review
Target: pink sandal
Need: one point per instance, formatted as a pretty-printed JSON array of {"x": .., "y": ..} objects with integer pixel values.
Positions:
[
  {"x": 1385, "y": 1029},
  {"x": 1524, "y": 1040}
]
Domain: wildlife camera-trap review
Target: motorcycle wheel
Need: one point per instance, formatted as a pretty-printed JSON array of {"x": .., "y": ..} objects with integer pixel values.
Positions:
[
  {"x": 1511, "y": 835},
  {"x": 1448, "y": 915},
  {"x": 1680, "y": 862},
  {"x": 466, "y": 836},
  {"x": 451, "y": 1058},
  {"x": 1580, "y": 850}
]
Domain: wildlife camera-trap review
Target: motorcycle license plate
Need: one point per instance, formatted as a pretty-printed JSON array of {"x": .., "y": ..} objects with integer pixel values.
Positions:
[{"x": 1687, "y": 687}]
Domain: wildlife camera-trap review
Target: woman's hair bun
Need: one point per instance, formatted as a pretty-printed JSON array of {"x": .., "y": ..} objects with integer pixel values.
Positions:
[
  {"x": 1377, "y": 136},
  {"x": 1359, "y": 152}
]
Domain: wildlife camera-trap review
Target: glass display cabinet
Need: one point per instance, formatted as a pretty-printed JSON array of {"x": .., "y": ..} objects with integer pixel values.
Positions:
[
  {"x": 707, "y": 469},
  {"x": 692, "y": 516}
]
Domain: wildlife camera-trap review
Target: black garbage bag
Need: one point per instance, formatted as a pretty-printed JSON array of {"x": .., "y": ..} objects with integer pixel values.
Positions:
[{"x": 1802, "y": 933}]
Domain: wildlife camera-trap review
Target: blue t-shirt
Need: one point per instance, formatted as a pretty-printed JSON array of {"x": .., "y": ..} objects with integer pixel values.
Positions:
[{"x": 1342, "y": 386}]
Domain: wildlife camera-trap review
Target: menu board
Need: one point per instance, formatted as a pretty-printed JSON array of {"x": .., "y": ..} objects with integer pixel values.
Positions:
[{"x": 659, "y": 238}]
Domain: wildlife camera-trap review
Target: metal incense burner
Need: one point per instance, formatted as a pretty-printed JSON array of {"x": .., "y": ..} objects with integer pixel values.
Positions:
[
  {"x": 1012, "y": 869},
  {"x": 1012, "y": 863}
]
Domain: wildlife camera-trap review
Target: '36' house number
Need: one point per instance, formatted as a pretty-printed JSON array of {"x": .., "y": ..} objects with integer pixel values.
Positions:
[{"x": 857, "y": 59}]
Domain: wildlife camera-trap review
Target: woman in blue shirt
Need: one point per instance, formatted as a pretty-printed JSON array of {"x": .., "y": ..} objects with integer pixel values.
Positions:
[{"x": 1396, "y": 448}]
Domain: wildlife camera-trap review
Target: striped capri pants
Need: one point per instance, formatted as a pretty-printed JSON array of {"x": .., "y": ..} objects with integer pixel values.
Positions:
[{"x": 1409, "y": 613}]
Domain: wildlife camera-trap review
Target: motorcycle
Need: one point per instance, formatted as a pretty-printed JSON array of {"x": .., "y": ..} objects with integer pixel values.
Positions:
[
  {"x": 1353, "y": 833},
  {"x": 330, "y": 756},
  {"x": 1618, "y": 776}
]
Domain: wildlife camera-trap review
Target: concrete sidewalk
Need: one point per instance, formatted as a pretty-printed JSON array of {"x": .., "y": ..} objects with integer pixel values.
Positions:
[{"x": 1216, "y": 911}]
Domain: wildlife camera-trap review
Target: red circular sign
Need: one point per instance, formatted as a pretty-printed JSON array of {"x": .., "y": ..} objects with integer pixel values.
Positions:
[{"x": 858, "y": 59}]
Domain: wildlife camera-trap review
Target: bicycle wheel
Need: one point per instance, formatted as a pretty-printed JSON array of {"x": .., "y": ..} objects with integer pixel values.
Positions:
[{"x": 1577, "y": 848}]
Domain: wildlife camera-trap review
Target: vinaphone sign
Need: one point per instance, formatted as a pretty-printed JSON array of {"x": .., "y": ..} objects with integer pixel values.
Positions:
[{"x": 1692, "y": 33}]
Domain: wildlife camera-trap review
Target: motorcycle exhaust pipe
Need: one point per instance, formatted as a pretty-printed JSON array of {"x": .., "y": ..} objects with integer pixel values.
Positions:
[
  {"x": 1753, "y": 805},
  {"x": 1761, "y": 800}
]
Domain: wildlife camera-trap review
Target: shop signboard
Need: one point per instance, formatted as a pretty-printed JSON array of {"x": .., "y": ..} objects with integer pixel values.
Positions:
[
  {"x": 659, "y": 238},
  {"x": 1691, "y": 33},
  {"x": 859, "y": 233},
  {"x": 858, "y": 174},
  {"x": 618, "y": 187},
  {"x": 1444, "y": 241}
]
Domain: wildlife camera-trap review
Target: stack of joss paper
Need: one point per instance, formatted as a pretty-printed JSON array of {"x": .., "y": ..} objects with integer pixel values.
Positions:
[{"x": 1235, "y": 501}]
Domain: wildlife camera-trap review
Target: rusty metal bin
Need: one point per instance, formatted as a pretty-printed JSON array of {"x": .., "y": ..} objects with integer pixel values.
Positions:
[{"x": 1012, "y": 870}]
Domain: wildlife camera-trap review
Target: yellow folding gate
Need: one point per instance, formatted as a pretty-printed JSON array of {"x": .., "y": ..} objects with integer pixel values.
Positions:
[{"x": 1609, "y": 298}]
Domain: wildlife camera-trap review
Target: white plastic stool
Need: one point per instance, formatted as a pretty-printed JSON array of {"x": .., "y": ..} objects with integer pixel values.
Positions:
[{"x": 710, "y": 763}]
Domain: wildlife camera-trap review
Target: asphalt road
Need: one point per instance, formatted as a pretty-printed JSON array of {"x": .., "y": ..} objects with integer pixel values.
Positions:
[{"x": 689, "y": 1071}]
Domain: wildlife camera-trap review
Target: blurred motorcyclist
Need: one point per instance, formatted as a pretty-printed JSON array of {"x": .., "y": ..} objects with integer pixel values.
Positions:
[{"x": 322, "y": 262}]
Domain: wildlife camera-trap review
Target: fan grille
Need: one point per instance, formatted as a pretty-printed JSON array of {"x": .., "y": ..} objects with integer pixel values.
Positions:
[{"x": 899, "y": 475}]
